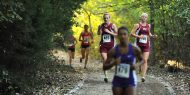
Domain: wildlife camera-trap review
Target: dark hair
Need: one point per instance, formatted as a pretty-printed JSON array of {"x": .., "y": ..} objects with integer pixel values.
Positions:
[
  {"x": 85, "y": 25},
  {"x": 123, "y": 28}
]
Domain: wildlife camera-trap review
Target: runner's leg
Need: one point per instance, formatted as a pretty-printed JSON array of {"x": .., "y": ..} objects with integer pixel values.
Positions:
[
  {"x": 73, "y": 55},
  {"x": 144, "y": 66},
  {"x": 86, "y": 57},
  {"x": 104, "y": 56},
  {"x": 70, "y": 57},
  {"x": 83, "y": 54},
  {"x": 130, "y": 90},
  {"x": 117, "y": 91}
]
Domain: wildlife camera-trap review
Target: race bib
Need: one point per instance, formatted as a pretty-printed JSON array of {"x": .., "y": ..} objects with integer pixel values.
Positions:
[
  {"x": 71, "y": 44},
  {"x": 106, "y": 38},
  {"x": 86, "y": 39},
  {"x": 123, "y": 70},
  {"x": 143, "y": 40}
]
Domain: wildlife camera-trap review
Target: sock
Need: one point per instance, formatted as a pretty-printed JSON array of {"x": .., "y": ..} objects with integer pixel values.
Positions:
[{"x": 105, "y": 73}]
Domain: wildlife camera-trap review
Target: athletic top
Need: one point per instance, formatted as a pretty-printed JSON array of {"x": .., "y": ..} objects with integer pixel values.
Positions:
[
  {"x": 71, "y": 42},
  {"x": 86, "y": 38},
  {"x": 123, "y": 69},
  {"x": 124, "y": 75},
  {"x": 143, "y": 30},
  {"x": 106, "y": 38}
]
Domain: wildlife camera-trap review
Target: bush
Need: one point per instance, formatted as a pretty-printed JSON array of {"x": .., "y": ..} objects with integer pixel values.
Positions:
[{"x": 27, "y": 27}]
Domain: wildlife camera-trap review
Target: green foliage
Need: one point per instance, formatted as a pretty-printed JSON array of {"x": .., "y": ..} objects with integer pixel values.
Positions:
[
  {"x": 171, "y": 20},
  {"x": 28, "y": 26}
]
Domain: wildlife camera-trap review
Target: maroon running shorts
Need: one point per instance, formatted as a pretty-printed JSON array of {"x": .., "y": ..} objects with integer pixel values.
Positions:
[
  {"x": 105, "y": 48},
  {"x": 145, "y": 48}
]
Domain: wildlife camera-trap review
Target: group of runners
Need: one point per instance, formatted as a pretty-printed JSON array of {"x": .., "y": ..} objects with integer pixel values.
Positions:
[{"x": 123, "y": 55}]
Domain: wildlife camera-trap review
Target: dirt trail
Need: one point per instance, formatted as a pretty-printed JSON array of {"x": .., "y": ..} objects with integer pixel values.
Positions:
[{"x": 93, "y": 83}]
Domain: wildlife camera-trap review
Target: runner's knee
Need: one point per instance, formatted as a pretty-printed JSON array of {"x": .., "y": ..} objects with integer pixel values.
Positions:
[
  {"x": 145, "y": 60},
  {"x": 130, "y": 90},
  {"x": 117, "y": 91}
]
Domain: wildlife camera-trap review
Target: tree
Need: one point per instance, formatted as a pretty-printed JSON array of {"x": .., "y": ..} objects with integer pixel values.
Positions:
[{"x": 28, "y": 26}]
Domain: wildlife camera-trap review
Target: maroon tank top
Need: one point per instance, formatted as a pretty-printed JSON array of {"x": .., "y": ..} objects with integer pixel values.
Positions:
[
  {"x": 143, "y": 30},
  {"x": 71, "y": 42},
  {"x": 86, "y": 38},
  {"x": 106, "y": 38}
]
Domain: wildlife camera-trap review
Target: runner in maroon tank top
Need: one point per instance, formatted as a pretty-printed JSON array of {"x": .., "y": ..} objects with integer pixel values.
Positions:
[
  {"x": 71, "y": 42},
  {"x": 107, "y": 30},
  {"x": 86, "y": 39},
  {"x": 141, "y": 32}
]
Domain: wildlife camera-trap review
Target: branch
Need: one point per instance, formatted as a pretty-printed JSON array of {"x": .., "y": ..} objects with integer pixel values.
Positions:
[
  {"x": 107, "y": 11},
  {"x": 112, "y": 5},
  {"x": 86, "y": 11}
]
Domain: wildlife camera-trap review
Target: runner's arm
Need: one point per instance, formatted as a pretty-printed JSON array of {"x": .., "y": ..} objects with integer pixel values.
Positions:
[
  {"x": 75, "y": 41},
  {"x": 99, "y": 32},
  {"x": 92, "y": 38},
  {"x": 138, "y": 55},
  {"x": 80, "y": 37},
  {"x": 150, "y": 34},
  {"x": 133, "y": 31},
  {"x": 91, "y": 35},
  {"x": 110, "y": 62},
  {"x": 114, "y": 29}
]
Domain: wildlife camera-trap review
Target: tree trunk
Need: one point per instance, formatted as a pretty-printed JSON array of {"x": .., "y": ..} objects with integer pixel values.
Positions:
[
  {"x": 152, "y": 13},
  {"x": 90, "y": 24}
]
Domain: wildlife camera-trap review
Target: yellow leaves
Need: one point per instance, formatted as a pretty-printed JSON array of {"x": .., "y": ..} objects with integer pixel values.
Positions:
[{"x": 121, "y": 11}]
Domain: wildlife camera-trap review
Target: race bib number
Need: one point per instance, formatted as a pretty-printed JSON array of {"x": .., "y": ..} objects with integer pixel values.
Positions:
[
  {"x": 71, "y": 43},
  {"x": 86, "y": 39},
  {"x": 143, "y": 40},
  {"x": 106, "y": 38},
  {"x": 123, "y": 70}
]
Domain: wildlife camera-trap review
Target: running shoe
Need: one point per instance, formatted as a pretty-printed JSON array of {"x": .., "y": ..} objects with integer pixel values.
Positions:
[
  {"x": 80, "y": 60},
  {"x": 106, "y": 80},
  {"x": 142, "y": 79}
]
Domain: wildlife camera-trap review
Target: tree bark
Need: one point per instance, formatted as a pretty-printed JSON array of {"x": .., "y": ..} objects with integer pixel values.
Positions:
[{"x": 152, "y": 14}]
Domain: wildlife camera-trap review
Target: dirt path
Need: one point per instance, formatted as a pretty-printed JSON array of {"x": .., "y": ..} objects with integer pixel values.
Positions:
[{"x": 93, "y": 83}]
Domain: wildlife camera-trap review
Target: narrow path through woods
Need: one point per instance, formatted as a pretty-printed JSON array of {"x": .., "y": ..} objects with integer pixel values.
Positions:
[{"x": 93, "y": 83}]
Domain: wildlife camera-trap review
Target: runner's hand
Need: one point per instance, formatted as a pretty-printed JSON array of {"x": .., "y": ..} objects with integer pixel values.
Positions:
[
  {"x": 82, "y": 40},
  {"x": 106, "y": 30},
  {"x": 141, "y": 36},
  {"x": 117, "y": 61},
  {"x": 154, "y": 36},
  {"x": 92, "y": 41},
  {"x": 133, "y": 67},
  {"x": 110, "y": 32}
]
